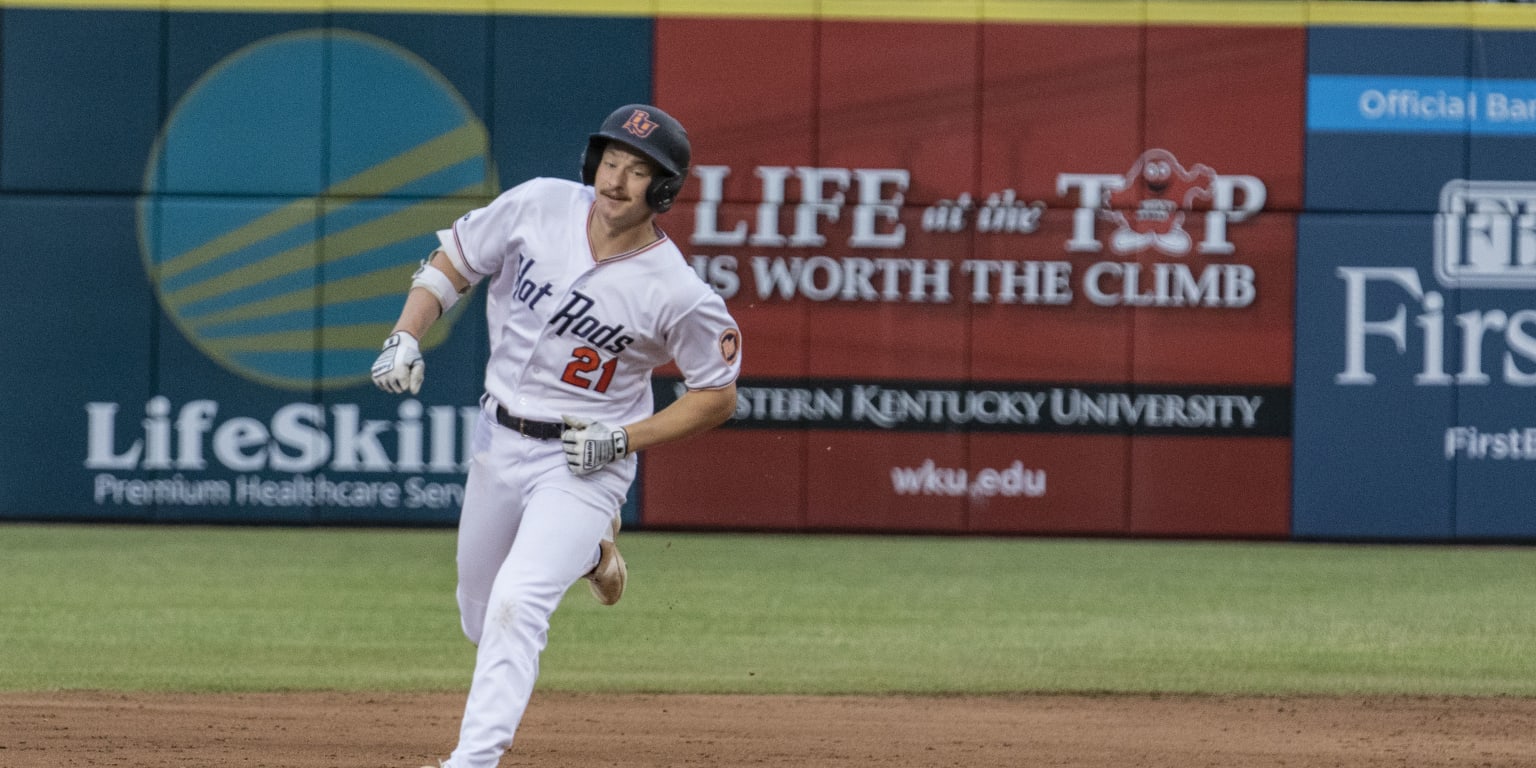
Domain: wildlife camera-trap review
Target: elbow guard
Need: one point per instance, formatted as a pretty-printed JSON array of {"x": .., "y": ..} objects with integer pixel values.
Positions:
[{"x": 436, "y": 283}]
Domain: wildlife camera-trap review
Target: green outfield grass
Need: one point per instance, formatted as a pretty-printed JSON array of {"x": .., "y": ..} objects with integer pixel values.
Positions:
[{"x": 246, "y": 609}]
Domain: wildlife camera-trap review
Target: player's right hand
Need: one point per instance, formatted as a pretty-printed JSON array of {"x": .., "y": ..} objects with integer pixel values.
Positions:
[{"x": 399, "y": 367}]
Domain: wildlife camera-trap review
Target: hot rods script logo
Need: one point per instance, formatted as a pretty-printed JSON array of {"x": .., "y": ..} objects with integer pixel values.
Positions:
[
  {"x": 1159, "y": 205},
  {"x": 292, "y": 191}
]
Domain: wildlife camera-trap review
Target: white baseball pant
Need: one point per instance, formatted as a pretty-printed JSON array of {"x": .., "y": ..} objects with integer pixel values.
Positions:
[{"x": 529, "y": 529}]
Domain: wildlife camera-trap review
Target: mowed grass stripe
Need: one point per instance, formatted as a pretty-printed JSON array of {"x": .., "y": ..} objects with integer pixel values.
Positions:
[{"x": 191, "y": 608}]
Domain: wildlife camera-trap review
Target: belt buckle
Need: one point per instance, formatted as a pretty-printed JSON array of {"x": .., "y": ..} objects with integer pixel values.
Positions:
[{"x": 522, "y": 426}]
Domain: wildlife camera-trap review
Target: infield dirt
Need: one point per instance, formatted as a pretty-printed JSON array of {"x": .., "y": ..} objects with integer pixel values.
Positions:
[{"x": 334, "y": 730}]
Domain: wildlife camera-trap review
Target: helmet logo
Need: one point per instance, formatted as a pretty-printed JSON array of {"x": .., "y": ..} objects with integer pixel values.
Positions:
[{"x": 640, "y": 124}]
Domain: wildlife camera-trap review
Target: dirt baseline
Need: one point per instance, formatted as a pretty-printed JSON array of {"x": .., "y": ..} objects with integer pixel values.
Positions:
[{"x": 333, "y": 730}]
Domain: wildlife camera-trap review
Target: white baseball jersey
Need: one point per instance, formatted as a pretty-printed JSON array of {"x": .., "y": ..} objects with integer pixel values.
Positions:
[{"x": 571, "y": 335}]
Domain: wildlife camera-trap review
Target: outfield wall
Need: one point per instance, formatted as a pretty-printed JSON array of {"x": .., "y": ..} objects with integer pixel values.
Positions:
[{"x": 1247, "y": 269}]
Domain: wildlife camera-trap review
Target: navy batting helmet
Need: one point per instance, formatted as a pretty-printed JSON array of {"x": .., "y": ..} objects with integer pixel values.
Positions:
[{"x": 652, "y": 133}]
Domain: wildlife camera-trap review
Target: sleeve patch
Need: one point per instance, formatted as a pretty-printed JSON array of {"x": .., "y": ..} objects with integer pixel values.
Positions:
[{"x": 730, "y": 345}]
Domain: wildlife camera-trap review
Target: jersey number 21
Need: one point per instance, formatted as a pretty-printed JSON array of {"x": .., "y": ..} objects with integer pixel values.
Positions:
[{"x": 585, "y": 360}]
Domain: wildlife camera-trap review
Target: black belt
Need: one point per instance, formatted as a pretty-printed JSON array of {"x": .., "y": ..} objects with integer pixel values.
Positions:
[{"x": 541, "y": 430}]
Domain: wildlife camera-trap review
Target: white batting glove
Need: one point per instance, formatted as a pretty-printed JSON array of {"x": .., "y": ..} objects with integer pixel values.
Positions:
[
  {"x": 590, "y": 446},
  {"x": 399, "y": 367}
]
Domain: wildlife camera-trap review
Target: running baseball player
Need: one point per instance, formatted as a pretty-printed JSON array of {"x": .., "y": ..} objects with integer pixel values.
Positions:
[{"x": 585, "y": 297}]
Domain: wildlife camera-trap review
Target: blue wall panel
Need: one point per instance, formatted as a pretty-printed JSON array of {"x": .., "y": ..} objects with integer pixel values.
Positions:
[
  {"x": 555, "y": 80},
  {"x": 81, "y": 335},
  {"x": 219, "y": 313},
  {"x": 1421, "y": 188},
  {"x": 1356, "y": 170},
  {"x": 82, "y": 99},
  {"x": 1368, "y": 460}
]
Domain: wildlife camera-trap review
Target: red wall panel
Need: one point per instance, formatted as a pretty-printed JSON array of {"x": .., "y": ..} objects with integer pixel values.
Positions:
[
  {"x": 1135, "y": 183},
  {"x": 1042, "y": 335},
  {"x": 1211, "y": 487},
  {"x": 726, "y": 479},
  {"x": 746, "y": 91},
  {"x": 1085, "y": 480},
  {"x": 849, "y": 481},
  {"x": 901, "y": 95},
  {"x": 1057, "y": 99},
  {"x": 1247, "y": 344},
  {"x": 1233, "y": 98}
]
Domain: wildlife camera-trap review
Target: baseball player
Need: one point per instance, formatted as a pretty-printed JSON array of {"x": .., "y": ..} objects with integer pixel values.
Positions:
[{"x": 585, "y": 296}]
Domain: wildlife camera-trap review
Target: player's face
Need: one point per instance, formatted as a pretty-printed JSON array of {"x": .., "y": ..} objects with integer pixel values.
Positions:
[{"x": 622, "y": 179}]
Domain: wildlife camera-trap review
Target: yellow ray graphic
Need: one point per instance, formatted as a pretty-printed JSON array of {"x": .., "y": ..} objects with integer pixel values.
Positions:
[
  {"x": 392, "y": 280},
  {"x": 423, "y": 218},
  {"x": 462, "y": 143},
  {"x": 413, "y": 221},
  {"x": 293, "y": 215},
  {"x": 277, "y": 265}
]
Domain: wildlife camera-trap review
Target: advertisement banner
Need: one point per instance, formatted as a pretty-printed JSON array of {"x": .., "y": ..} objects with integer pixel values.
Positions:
[
  {"x": 991, "y": 296},
  {"x": 1416, "y": 325},
  {"x": 218, "y": 260},
  {"x": 1153, "y": 276}
]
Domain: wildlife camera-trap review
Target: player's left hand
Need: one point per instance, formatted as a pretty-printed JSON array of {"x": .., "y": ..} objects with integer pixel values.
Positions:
[{"x": 592, "y": 445}]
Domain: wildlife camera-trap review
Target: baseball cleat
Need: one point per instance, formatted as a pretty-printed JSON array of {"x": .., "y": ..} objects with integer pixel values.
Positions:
[{"x": 607, "y": 578}]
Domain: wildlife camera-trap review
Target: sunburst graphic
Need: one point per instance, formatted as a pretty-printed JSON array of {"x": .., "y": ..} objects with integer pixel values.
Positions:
[{"x": 291, "y": 194}]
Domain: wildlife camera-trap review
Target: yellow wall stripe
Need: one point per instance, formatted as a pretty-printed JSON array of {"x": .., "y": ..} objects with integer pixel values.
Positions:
[
  {"x": 1255, "y": 13},
  {"x": 901, "y": 10},
  {"x": 1065, "y": 11},
  {"x": 1474, "y": 15},
  {"x": 1392, "y": 14},
  {"x": 768, "y": 9}
]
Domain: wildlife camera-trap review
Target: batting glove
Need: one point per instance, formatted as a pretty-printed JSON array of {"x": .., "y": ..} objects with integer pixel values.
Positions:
[
  {"x": 590, "y": 446},
  {"x": 399, "y": 367}
]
